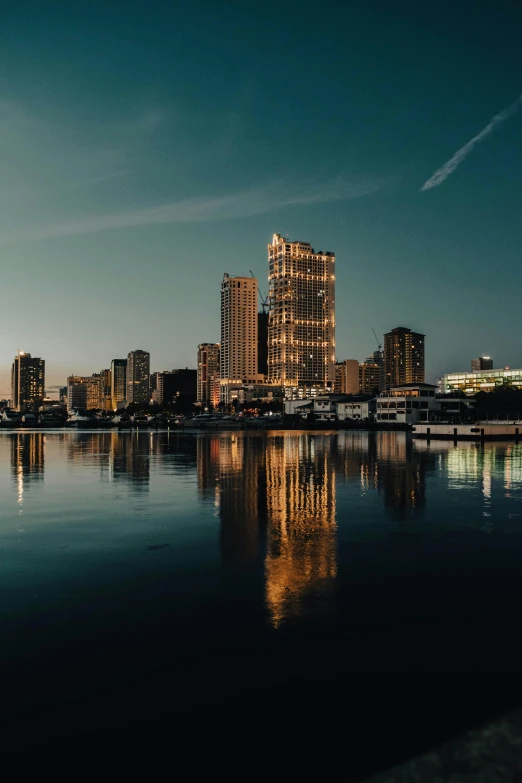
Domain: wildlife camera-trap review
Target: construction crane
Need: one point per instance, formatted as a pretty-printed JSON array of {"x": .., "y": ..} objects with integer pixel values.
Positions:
[
  {"x": 263, "y": 298},
  {"x": 379, "y": 345}
]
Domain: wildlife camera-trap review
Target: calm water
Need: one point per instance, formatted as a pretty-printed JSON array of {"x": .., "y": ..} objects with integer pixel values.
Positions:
[{"x": 139, "y": 566}]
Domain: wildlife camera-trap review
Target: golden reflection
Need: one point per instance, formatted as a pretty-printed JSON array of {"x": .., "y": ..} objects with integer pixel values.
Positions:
[{"x": 301, "y": 556}]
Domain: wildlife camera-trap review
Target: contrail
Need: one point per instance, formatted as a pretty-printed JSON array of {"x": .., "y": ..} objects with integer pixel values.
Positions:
[{"x": 450, "y": 165}]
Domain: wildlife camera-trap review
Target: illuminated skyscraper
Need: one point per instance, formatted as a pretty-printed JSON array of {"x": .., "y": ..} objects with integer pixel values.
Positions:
[
  {"x": 301, "y": 328},
  {"x": 27, "y": 382},
  {"x": 138, "y": 371},
  {"x": 403, "y": 357},
  {"x": 208, "y": 375},
  {"x": 238, "y": 361},
  {"x": 118, "y": 382}
]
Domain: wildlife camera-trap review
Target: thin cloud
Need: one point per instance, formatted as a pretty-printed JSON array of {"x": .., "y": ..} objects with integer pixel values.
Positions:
[
  {"x": 449, "y": 167},
  {"x": 195, "y": 210}
]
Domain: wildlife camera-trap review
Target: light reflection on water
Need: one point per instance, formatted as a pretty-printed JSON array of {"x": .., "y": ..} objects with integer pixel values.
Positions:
[{"x": 285, "y": 511}]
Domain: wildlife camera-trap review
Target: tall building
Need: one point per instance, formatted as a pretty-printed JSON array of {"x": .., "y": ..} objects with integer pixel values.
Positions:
[
  {"x": 208, "y": 375},
  {"x": 170, "y": 385},
  {"x": 347, "y": 377},
  {"x": 83, "y": 392},
  {"x": 118, "y": 383},
  {"x": 371, "y": 373},
  {"x": 27, "y": 381},
  {"x": 262, "y": 342},
  {"x": 403, "y": 357},
  {"x": 105, "y": 390},
  {"x": 301, "y": 327},
  {"x": 238, "y": 359},
  {"x": 482, "y": 363},
  {"x": 138, "y": 370}
]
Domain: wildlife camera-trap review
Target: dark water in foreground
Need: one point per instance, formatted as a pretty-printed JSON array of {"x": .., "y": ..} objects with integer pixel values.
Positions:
[{"x": 156, "y": 575}]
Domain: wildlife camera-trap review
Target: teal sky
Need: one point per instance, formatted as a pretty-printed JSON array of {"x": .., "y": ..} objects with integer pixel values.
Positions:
[{"x": 147, "y": 148}]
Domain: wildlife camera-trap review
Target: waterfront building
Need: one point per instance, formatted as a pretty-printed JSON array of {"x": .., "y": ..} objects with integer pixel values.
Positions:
[
  {"x": 482, "y": 363},
  {"x": 482, "y": 380},
  {"x": 301, "y": 326},
  {"x": 119, "y": 383},
  {"x": 406, "y": 403},
  {"x": 27, "y": 382},
  {"x": 264, "y": 392},
  {"x": 238, "y": 355},
  {"x": 208, "y": 375},
  {"x": 83, "y": 392},
  {"x": 403, "y": 357},
  {"x": 105, "y": 390},
  {"x": 138, "y": 370},
  {"x": 347, "y": 377}
]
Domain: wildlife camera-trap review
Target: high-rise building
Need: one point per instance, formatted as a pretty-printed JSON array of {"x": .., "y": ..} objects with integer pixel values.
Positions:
[
  {"x": 262, "y": 342},
  {"x": 118, "y": 383},
  {"x": 170, "y": 385},
  {"x": 238, "y": 357},
  {"x": 301, "y": 327},
  {"x": 347, "y": 377},
  {"x": 83, "y": 392},
  {"x": 138, "y": 370},
  {"x": 482, "y": 363},
  {"x": 105, "y": 390},
  {"x": 403, "y": 357},
  {"x": 208, "y": 375},
  {"x": 371, "y": 373},
  {"x": 27, "y": 382}
]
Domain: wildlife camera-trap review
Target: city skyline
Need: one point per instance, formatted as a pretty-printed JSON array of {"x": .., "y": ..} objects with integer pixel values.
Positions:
[{"x": 129, "y": 178}]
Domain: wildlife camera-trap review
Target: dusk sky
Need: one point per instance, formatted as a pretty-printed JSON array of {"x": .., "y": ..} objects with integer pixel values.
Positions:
[{"x": 147, "y": 148}]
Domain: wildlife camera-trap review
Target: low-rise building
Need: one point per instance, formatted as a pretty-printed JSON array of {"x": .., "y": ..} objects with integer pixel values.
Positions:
[
  {"x": 481, "y": 380},
  {"x": 404, "y": 404},
  {"x": 361, "y": 408}
]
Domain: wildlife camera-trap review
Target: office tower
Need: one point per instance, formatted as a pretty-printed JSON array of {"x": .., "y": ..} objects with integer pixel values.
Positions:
[
  {"x": 482, "y": 363},
  {"x": 347, "y": 377},
  {"x": 371, "y": 373},
  {"x": 138, "y": 370},
  {"x": 262, "y": 342},
  {"x": 83, "y": 392},
  {"x": 105, "y": 390},
  {"x": 208, "y": 375},
  {"x": 118, "y": 383},
  {"x": 238, "y": 358},
  {"x": 301, "y": 327},
  {"x": 170, "y": 385},
  {"x": 403, "y": 357},
  {"x": 27, "y": 382}
]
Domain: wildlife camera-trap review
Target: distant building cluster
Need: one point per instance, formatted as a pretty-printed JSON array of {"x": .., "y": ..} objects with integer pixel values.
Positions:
[{"x": 280, "y": 349}]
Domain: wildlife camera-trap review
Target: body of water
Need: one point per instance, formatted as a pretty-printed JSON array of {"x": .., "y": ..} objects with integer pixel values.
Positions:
[{"x": 158, "y": 574}]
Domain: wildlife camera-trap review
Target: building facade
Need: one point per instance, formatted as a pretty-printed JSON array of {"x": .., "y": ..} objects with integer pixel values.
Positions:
[
  {"x": 403, "y": 357},
  {"x": 301, "y": 326},
  {"x": 481, "y": 363},
  {"x": 83, "y": 392},
  {"x": 371, "y": 373},
  {"x": 118, "y": 383},
  {"x": 483, "y": 380},
  {"x": 27, "y": 382},
  {"x": 138, "y": 371},
  {"x": 347, "y": 377},
  {"x": 208, "y": 375},
  {"x": 105, "y": 390},
  {"x": 262, "y": 342},
  {"x": 406, "y": 404},
  {"x": 173, "y": 384},
  {"x": 239, "y": 336}
]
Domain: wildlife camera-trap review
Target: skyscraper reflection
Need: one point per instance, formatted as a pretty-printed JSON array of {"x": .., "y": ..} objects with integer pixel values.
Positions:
[
  {"x": 123, "y": 456},
  {"x": 27, "y": 459},
  {"x": 300, "y": 563}
]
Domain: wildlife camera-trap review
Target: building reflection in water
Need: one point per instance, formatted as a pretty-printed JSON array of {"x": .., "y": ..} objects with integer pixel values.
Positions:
[
  {"x": 27, "y": 460},
  {"x": 301, "y": 552},
  {"x": 121, "y": 456}
]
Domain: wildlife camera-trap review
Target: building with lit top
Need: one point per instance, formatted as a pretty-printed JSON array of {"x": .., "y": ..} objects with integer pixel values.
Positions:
[
  {"x": 208, "y": 375},
  {"x": 138, "y": 371},
  {"x": 27, "y": 382},
  {"x": 301, "y": 326},
  {"x": 481, "y": 363},
  {"x": 238, "y": 355},
  {"x": 403, "y": 357},
  {"x": 482, "y": 380}
]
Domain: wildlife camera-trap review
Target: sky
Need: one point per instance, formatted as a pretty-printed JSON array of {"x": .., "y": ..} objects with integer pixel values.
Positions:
[{"x": 148, "y": 148}]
